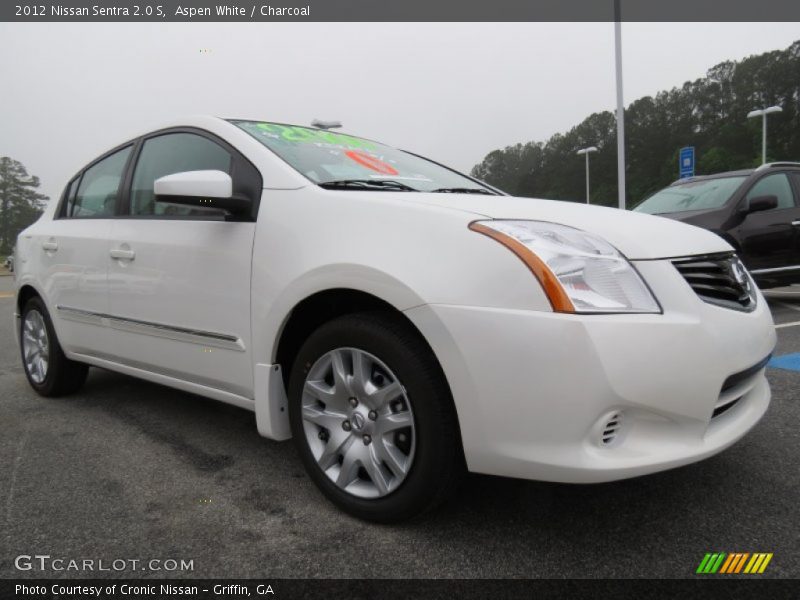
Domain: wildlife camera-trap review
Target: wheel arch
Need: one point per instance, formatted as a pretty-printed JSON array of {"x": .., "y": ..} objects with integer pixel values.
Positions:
[
  {"x": 307, "y": 315},
  {"x": 320, "y": 307},
  {"x": 25, "y": 293}
]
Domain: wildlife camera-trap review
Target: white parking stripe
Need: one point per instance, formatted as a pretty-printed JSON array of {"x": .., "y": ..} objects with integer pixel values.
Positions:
[
  {"x": 792, "y": 324},
  {"x": 787, "y": 305}
]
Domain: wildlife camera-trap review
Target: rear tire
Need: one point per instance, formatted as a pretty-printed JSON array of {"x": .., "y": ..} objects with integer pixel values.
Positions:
[
  {"x": 384, "y": 446},
  {"x": 48, "y": 370}
]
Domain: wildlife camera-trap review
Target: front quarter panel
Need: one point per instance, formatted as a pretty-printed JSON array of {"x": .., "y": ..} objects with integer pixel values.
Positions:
[{"x": 310, "y": 240}]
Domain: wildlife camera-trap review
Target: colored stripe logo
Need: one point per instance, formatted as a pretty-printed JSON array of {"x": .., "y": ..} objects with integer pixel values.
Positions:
[{"x": 734, "y": 562}]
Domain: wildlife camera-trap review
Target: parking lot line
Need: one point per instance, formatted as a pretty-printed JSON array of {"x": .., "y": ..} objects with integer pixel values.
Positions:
[
  {"x": 789, "y": 306},
  {"x": 793, "y": 293},
  {"x": 790, "y": 324},
  {"x": 790, "y": 362}
]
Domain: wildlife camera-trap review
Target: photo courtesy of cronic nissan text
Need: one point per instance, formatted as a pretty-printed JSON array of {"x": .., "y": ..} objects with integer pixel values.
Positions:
[{"x": 335, "y": 299}]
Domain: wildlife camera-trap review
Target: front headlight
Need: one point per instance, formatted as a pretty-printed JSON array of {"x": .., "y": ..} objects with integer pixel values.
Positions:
[{"x": 580, "y": 272}]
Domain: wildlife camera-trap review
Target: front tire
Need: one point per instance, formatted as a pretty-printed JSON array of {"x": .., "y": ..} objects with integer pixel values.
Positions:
[
  {"x": 48, "y": 370},
  {"x": 372, "y": 418}
]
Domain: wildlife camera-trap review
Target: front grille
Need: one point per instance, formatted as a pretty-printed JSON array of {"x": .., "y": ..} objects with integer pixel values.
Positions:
[
  {"x": 742, "y": 376},
  {"x": 724, "y": 408},
  {"x": 719, "y": 279},
  {"x": 736, "y": 387}
]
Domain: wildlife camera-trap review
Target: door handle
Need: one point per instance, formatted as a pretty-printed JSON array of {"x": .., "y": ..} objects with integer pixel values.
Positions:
[
  {"x": 50, "y": 245},
  {"x": 123, "y": 254}
]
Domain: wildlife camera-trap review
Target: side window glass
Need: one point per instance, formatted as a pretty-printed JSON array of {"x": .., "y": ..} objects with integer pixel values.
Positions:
[
  {"x": 174, "y": 153},
  {"x": 97, "y": 193},
  {"x": 776, "y": 185}
]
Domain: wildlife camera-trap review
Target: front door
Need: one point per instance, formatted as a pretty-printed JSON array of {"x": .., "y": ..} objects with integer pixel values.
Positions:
[
  {"x": 179, "y": 277},
  {"x": 769, "y": 239}
]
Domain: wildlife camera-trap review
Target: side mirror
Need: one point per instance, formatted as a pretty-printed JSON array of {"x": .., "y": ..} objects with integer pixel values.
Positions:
[
  {"x": 760, "y": 203},
  {"x": 207, "y": 189}
]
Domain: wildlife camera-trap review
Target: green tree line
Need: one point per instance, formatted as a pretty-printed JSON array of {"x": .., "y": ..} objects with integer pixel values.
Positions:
[
  {"x": 20, "y": 203},
  {"x": 709, "y": 114}
]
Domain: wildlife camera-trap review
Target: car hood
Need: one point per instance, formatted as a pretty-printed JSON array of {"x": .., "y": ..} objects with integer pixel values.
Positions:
[{"x": 638, "y": 236}]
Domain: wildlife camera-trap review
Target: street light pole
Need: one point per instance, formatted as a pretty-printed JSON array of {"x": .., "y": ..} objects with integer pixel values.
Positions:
[
  {"x": 763, "y": 112},
  {"x": 620, "y": 105},
  {"x": 586, "y": 152}
]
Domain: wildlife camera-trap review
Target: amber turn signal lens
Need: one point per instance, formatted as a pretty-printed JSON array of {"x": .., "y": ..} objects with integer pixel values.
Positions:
[{"x": 559, "y": 299}]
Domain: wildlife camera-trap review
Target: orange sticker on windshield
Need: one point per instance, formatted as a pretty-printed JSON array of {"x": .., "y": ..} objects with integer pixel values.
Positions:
[{"x": 365, "y": 160}]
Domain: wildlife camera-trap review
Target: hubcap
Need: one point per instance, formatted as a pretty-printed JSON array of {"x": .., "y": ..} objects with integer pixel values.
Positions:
[
  {"x": 363, "y": 413},
  {"x": 35, "y": 346}
]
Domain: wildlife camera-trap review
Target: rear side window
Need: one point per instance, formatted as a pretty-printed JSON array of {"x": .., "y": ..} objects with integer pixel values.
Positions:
[
  {"x": 174, "y": 153},
  {"x": 99, "y": 187},
  {"x": 777, "y": 185}
]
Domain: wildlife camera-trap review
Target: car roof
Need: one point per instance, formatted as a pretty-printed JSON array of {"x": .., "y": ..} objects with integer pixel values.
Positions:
[
  {"x": 739, "y": 173},
  {"x": 695, "y": 178}
]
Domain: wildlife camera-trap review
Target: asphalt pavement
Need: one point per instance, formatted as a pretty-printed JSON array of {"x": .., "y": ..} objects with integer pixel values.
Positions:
[{"x": 129, "y": 470}]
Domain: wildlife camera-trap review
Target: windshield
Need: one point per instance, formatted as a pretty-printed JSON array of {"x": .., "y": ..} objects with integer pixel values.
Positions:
[
  {"x": 339, "y": 161},
  {"x": 694, "y": 195}
]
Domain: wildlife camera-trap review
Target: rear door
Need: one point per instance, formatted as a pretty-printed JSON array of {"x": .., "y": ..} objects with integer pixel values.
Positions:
[
  {"x": 770, "y": 238},
  {"x": 72, "y": 252},
  {"x": 179, "y": 276}
]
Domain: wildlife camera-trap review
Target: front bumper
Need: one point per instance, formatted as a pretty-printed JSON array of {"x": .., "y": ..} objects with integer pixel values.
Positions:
[{"x": 591, "y": 398}]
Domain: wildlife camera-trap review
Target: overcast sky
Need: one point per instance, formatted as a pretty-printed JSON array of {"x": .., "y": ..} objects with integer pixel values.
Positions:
[{"x": 452, "y": 92}]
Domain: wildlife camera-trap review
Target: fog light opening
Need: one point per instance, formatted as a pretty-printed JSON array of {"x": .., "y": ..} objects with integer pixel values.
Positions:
[{"x": 611, "y": 429}]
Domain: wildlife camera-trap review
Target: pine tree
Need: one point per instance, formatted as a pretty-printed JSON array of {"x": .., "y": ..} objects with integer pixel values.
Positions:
[
  {"x": 20, "y": 203},
  {"x": 708, "y": 113}
]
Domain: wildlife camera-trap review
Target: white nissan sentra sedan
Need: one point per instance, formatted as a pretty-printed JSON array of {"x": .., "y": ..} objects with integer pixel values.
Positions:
[{"x": 401, "y": 321}]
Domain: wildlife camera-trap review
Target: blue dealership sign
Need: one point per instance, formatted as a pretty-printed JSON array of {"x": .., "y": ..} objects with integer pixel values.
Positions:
[{"x": 686, "y": 162}]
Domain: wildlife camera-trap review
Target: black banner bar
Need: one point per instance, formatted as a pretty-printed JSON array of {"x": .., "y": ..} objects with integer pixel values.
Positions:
[
  {"x": 730, "y": 587},
  {"x": 66, "y": 11}
]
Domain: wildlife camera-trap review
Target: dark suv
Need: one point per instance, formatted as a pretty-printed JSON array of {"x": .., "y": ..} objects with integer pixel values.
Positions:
[{"x": 757, "y": 211}]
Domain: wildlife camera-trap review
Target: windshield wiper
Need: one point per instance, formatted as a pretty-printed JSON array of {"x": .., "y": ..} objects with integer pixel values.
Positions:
[
  {"x": 463, "y": 190},
  {"x": 388, "y": 185}
]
